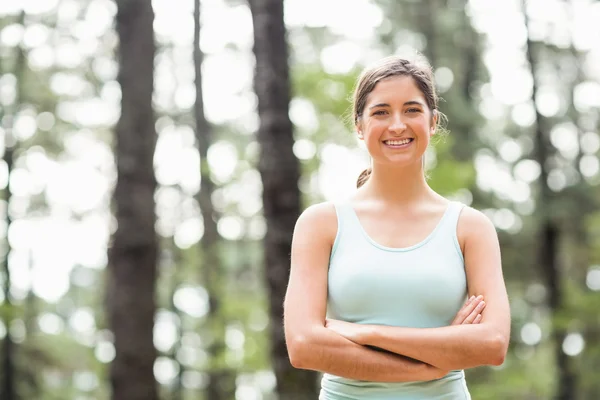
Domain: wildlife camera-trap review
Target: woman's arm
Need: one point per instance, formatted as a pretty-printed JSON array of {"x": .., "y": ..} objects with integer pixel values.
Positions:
[
  {"x": 457, "y": 346},
  {"x": 311, "y": 345}
]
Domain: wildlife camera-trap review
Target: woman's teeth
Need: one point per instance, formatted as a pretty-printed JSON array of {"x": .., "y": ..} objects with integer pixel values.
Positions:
[{"x": 397, "y": 142}]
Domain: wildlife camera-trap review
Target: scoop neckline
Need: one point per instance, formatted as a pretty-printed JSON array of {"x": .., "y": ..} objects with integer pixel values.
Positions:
[{"x": 401, "y": 249}]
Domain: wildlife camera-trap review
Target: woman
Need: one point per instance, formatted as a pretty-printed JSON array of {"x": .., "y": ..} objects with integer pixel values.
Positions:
[{"x": 378, "y": 284}]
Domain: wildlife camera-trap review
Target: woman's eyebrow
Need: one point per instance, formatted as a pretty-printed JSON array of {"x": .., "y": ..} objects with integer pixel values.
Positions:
[
  {"x": 414, "y": 103},
  {"x": 408, "y": 103},
  {"x": 379, "y": 105}
]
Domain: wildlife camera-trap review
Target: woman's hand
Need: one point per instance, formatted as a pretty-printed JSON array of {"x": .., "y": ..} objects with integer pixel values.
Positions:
[{"x": 471, "y": 311}]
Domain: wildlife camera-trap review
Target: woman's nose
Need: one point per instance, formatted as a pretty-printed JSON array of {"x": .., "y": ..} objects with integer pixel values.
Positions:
[{"x": 397, "y": 124}]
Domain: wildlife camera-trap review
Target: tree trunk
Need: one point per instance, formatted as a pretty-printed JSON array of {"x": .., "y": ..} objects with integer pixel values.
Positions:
[
  {"x": 548, "y": 236},
  {"x": 132, "y": 265},
  {"x": 279, "y": 170},
  {"x": 221, "y": 378},
  {"x": 8, "y": 390},
  {"x": 8, "y": 345}
]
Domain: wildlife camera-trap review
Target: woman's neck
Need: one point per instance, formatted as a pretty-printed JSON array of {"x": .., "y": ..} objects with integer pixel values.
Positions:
[{"x": 405, "y": 185}]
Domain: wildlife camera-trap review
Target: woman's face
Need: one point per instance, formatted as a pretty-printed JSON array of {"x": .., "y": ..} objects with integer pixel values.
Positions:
[{"x": 396, "y": 123}]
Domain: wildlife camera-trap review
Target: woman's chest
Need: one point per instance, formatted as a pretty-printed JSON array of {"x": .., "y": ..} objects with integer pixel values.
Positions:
[
  {"x": 398, "y": 231},
  {"x": 422, "y": 288}
]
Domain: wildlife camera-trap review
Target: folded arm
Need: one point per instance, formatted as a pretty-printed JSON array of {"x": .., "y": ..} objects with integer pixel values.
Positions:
[
  {"x": 325, "y": 351},
  {"x": 310, "y": 344},
  {"x": 459, "y": 346},
  {"x": 448, "y": 348}
]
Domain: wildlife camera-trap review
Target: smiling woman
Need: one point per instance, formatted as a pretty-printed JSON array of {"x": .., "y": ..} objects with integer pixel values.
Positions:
[
  {"x": 395, "y": 267},
  {"x": 411, "y": 93}
]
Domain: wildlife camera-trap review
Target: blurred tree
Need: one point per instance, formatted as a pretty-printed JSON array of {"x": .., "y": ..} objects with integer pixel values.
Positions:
[
  {"x": 279, "y": 170},
  {"x": 549, "y": 231},
  {"x": 221, "y": 379},
  {"x": 132, "y": 266},
  {"x": 175, "y": 264},
  {"x": 68, "y": 65},
  {"x": 583, "y": 202},
  {"x": 8, "y": 390}
]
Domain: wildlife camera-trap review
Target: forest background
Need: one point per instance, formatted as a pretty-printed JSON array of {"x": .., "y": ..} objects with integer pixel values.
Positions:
[{"x": 145, "y": 230}]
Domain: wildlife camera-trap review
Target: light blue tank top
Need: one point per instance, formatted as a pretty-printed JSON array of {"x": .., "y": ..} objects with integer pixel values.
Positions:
[{"x": 421, "y": 286}]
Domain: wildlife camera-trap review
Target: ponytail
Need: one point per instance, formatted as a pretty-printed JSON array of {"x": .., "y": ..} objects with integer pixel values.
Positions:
[{"x": 363, "y": 177}]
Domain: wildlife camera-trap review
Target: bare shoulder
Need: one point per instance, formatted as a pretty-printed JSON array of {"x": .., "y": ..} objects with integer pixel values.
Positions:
[
  {"x": 317, "y": 221},
  {"x": 314, "y": 235},
  {"x": 473, "y": 223},
  {"x": 470, "y": 218}
]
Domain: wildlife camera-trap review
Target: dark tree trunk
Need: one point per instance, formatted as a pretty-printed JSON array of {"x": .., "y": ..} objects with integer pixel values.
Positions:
[
  {"x": 221, "y": 378},
  {"x": 8, "y": 345},
  {"x": 548, "y": 237},
  {"x": 279, "y": 170},
  {"x": 8, "y": 390},
  {"x": 132, "y": 265}
]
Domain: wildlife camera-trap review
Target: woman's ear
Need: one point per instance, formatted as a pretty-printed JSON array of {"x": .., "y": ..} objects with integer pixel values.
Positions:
[
  {"x": 434, "y": 120},
  {"x": 359, "y": 131}
]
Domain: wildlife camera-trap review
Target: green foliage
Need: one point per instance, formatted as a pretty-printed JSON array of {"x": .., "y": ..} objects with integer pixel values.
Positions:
[
  {"x": 449, "y": 175},
  {"x": 50, "y": 364}
]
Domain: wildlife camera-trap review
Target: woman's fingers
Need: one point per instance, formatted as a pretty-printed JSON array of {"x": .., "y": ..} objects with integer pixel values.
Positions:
[
  {"x": 475, "y": 313},
  {"x": 469, "y": 311}
]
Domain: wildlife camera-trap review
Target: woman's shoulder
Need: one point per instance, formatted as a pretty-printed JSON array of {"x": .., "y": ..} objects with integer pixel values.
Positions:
[
  {"x": 318, "y": 219},
  {"x": 472, "y": 217},
  {"x": 325, "y": 209},
  {"x": 473, "y": 222}
]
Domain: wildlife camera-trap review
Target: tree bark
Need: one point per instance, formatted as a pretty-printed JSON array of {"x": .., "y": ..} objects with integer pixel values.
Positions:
[
  {"x": 8, "y": 344},
  {"x": 280, "y": 172},
  {"x": 221, "y": 379},
  {"x": 548, "y": 235},
  {"x": 132, "y": 267},
  {"x": 8, "y": 390}
]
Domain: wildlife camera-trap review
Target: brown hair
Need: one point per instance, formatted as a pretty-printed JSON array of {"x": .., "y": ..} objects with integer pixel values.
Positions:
[{"x": 421, "y": 73}]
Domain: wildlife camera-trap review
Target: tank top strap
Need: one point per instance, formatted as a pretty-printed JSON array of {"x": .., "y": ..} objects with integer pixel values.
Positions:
[
  {"x": 348, "y": 224},
  {"x": 454, "y": 210},
  {"x": 451, "y": 216},
  {"x": 345, "y": 215},
  {"x": 447, "y": 228}
]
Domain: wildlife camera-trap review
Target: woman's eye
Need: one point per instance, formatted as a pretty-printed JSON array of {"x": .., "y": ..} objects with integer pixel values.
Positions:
[
  {"x": 413, "y": 110},
  {"x": 380, "y": 112}
]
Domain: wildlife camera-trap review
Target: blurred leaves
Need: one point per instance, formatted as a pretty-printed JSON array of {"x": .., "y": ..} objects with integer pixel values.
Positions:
[{"x": 66, "y": 146}]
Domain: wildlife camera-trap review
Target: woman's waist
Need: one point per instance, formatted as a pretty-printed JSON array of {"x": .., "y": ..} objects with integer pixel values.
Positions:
[{"x": 443, "y": 388}]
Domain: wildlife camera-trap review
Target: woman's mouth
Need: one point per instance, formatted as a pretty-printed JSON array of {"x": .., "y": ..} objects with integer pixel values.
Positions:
[{"x": 398, "y": 143}]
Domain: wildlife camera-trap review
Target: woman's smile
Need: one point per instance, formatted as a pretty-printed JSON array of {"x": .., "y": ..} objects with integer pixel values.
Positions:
[{"x": 398, "y": 144}]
